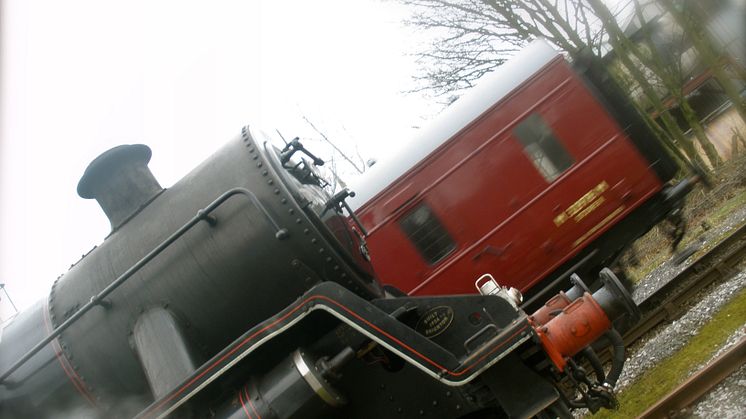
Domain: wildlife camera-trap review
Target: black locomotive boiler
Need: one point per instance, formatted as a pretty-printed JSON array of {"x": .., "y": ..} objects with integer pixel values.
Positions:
[{"x": 242, "y": 291}]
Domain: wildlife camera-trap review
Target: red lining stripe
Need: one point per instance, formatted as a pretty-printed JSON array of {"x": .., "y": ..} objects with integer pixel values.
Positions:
[
  {"x": 243, "y": 405},
  {"x": 65, "y": 363},
  {"x": 253, "y": 409},
  {"x": 302, "y": 305}
]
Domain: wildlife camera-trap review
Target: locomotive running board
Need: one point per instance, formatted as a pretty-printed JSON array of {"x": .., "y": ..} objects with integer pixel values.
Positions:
[{"x": 370, "y": 321}]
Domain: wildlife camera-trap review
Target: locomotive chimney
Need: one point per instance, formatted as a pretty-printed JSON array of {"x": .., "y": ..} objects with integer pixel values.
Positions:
[{"x": 119, "y": 179}]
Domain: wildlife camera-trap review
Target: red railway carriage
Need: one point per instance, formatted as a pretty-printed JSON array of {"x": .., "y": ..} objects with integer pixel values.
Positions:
[{"x": 540, "y": 171}]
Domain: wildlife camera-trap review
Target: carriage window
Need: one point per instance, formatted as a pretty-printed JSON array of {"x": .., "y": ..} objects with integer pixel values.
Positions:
[
  {"x": 427, "y": 234},
  {"x": 542, "y": 147}
]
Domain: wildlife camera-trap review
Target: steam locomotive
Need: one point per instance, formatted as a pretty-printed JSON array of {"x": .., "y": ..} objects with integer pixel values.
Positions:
[
  {"x": 540, "y": 171},
  {"x": 242, "y": 291}
]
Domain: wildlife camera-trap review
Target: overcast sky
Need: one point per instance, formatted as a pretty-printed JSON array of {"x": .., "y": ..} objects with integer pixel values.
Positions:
[{"x": 79, "y": 77}]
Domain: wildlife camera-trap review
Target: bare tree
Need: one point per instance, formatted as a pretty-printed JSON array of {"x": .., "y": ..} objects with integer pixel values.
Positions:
[
  {"x": 472, "y": 40},
  {"x": 624, "y": 51},
  {"x": 476, "y": 36},
  {"x": 689, "y": 18},
  {"x": 667, "y": 66},
  {"x": 355, "y": 160},
  {"x": 342, "y": 157}
]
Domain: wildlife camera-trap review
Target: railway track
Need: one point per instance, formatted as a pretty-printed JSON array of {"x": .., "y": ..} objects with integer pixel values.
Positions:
[
  {"x": 678, "y": 400},
  {"x": 673, "y": 299},
  {"x": 670, "y": 301}
]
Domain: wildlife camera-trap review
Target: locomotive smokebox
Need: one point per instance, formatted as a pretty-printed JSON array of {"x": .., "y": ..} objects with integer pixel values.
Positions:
[{"x": 120, "y": 180}]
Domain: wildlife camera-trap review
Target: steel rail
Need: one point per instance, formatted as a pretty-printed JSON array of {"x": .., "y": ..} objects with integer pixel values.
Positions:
[
  {"x": 698, "y": 384},
  {"x": 667, "y": 303}
]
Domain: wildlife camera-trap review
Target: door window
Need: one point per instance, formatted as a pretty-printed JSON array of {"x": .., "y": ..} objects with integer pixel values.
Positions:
[
  {"x": 542, "y": 147},
  {"x": 427, "y": 233}
]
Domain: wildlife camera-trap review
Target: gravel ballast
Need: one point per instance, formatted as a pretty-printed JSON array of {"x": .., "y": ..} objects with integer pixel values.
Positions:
[{"x": 727, "y": 400}]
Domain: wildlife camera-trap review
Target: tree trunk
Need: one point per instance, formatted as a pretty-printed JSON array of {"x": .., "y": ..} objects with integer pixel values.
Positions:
[
  {"x": 682, "y": 160},
  {"x": 558, "y": 19},
  {"x": 707, "y": 51},
  {"x": 699, "y": 132},
  {"x": 623, "y": 47},
  {"x": 517, "y": 21},
  {"x": 673, "y": 79}
]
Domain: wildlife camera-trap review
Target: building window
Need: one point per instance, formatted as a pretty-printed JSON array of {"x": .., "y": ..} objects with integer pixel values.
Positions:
[
  {"x": 542, "y": 147},
  {"x": 427, "y": 233}
]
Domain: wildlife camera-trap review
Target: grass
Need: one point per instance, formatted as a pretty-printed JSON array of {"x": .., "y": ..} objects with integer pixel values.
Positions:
[
  {"x": 720, "y": 214},
  {"x": 659, "y": 381},
  {"x": 704, "y": 249},
  {"x": 703, "y": 208}
]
